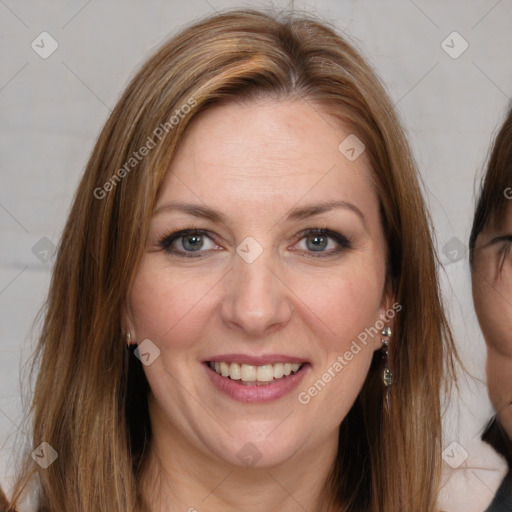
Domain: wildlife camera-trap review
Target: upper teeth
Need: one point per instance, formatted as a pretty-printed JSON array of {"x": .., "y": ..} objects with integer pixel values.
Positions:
[{"x": 249, "y": 372}]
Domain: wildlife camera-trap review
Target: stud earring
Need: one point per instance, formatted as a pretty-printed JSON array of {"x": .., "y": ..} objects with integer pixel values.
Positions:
[
  {"x": 387, "y": 374},
  {"x": 128, "y": 339}
]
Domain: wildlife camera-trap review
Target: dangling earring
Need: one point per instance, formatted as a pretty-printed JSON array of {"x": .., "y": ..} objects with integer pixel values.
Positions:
[
  {"x": 128, "y": 339},
  {"x": 387, "y": 374}
]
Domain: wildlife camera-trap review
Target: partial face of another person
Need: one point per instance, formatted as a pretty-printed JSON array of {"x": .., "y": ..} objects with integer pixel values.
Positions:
[
  {"x": 256, "y": 293},
  {"x": 492, "y": 295}
]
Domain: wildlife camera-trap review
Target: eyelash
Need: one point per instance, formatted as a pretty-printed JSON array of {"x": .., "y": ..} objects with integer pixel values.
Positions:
[{"x": 167, "y": 239}]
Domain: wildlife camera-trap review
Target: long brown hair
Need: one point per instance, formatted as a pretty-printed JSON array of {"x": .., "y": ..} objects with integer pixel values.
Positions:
[{"x": 90, "y": 398}]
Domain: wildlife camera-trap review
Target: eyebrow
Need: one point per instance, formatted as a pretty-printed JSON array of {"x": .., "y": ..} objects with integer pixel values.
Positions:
[{"x": 295, "y": 214}]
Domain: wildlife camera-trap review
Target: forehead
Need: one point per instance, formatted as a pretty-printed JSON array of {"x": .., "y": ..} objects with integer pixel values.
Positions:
[{"x": 266, "y": 151}]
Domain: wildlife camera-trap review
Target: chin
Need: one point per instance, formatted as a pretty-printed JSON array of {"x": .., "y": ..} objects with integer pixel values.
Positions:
[{"x": 252, "y": 451}]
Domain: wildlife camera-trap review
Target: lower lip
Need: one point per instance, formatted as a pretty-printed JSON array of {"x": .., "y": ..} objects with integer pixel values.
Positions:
[{"x": 256, "y": 394}]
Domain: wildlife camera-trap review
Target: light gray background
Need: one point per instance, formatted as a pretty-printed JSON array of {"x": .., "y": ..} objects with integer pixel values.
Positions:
[{"x": 52, "y": 110}]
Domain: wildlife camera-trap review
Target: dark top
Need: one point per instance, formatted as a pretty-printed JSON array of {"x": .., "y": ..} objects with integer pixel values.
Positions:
[{"x": 495, "y": 435}]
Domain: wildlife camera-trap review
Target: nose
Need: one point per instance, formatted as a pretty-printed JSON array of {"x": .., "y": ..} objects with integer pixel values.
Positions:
[{"x": 257, "y": 299}]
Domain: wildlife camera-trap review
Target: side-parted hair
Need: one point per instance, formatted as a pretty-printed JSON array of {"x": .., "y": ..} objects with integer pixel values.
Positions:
[
  {"x": 90, "y": 395},
  {"x": 496, "y": 186}
]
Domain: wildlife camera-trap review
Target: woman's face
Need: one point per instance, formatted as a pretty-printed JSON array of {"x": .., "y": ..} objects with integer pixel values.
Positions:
[
  {"x": 255, "y": 291},
  {"x": 492, "y": 295}
]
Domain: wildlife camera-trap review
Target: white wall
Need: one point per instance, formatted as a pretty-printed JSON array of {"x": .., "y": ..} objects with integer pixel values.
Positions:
[{"x": 52, "y": 110}]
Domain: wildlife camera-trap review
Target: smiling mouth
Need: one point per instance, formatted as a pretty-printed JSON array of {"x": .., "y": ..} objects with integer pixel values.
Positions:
[{"x": 251, "y": 375}]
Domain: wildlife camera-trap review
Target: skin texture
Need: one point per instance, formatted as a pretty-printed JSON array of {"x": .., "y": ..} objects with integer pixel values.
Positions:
[
  {"x": 492, "y": 295},
  {"x": 254, "y": 162}
]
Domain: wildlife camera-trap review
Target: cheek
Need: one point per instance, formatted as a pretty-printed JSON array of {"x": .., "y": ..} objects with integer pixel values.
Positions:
[
  {"x": 344, "y": 303},
  {"x": 343, "y": 311},
  {"x": 164, "y": 301},
  {"x": 499, "y": 379},
  {"x": 493, "y": 305}
]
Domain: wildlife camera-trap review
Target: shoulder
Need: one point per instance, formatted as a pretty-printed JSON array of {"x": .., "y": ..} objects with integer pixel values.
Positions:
[{"x": 472, "y": 485}]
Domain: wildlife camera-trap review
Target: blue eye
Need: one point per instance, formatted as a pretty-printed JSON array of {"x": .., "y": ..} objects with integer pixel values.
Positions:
[
  {"x": 192, "y": 240},
  {"x": 317, "y": 241},
  {"x": 186, "y": 242}
]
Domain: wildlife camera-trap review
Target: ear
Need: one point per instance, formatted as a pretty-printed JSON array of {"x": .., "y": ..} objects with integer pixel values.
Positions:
[{"x": 387, "y": 312}]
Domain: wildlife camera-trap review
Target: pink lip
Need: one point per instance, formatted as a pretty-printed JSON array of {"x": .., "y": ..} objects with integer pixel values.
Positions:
[
  {"x": 256, "y": 394},
  {"x": 255, "y": 360}
]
